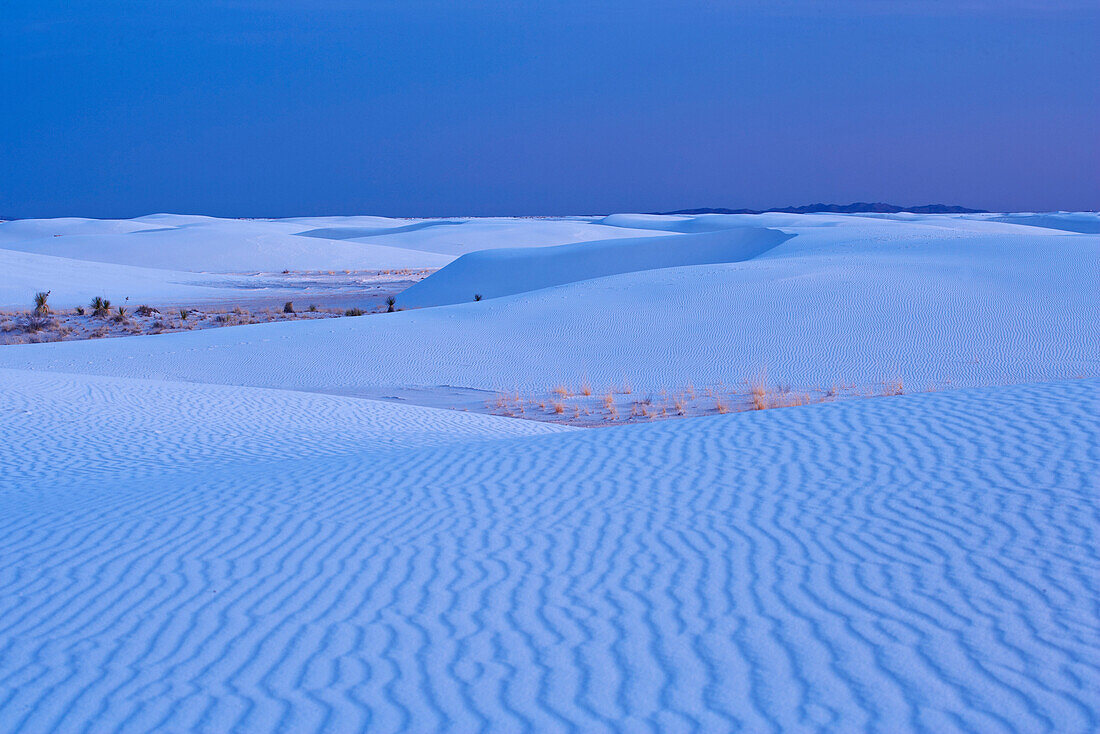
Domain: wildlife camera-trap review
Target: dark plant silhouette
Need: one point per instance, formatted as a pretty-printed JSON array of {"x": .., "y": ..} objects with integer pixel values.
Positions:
[{"x": 41, "y": 307}]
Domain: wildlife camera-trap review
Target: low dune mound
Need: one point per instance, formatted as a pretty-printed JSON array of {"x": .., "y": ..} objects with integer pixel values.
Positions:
[
  {"x": 226, "y": 247},
  {"x": 504, "y": 272},
  {"x": 1082, "y": 222},
  {"x": 21, "y": 230},
  {"x": 680, "y": 224},
  {"x": 74, "y": 282}
]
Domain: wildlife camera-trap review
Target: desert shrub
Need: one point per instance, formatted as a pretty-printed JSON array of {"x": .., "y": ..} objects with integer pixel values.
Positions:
[
  {"x": 354, "y": 312},
  {"x": 101, "y": 307},
  {"x": 313, "y": 308},
  {"x": 144, "y": 310},
  {"x": 184, "y": 313},
  {"x": 34, "y": 324},
  {"x": 288, "y": 307},
  {"x": 79, "y": 310},
  {"x": 477, "y": 296},
  {"x": 120, "y": 314},
  {"x": 41, "y": 307},
  {"x": 389, "y": 302}
]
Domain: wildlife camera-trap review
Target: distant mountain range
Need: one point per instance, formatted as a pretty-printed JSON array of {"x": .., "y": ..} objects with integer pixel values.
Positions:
[{"x": 859, "y": 207}]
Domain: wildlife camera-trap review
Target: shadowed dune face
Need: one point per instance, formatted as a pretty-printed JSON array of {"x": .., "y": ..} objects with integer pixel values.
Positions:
[
  {"x": 936, "y": 550},
  {"x": 503, "y": 272}
]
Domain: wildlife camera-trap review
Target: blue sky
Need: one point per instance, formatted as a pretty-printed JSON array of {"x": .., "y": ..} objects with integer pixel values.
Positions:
[{"x": 418, "y": 107}]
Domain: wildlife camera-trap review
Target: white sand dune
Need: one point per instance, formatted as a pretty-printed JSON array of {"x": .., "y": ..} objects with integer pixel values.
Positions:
[
  {"x": 861, "y": 302},
  {"x": 1084, "y": 222},
  {"x": 502, "y": 272},
  {"x": 459, "y": 236},
  {"x": 215, "y": 531},
  {"x": 226, "y": 559},
  {"x": 224, "y": 249},
  {"x": 208, "y": 244},
  {"x": 74, "y": 282}
]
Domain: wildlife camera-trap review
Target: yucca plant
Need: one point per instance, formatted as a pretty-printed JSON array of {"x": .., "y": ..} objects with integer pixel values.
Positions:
[
  {"x": 477, "y": 296},
  {"x": 184, "y": 313},
  {"x": 100, "y": 306},
  {"x": 389, "y": 304},
  {"x": 41, "y": 307},
  {"x": 288, "y": 307}
]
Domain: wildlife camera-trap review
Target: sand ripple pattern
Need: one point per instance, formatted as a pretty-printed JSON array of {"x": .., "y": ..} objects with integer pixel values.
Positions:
[{"x": 917, "y": 563}]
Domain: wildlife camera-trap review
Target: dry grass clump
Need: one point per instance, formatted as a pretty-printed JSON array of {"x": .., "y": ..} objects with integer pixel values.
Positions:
[
  {"x": 561, "y": 390},
  {"x": 895, "y": 387},
  {"x": 758, "y": 391},
  {"x": 586, "y": 389}
]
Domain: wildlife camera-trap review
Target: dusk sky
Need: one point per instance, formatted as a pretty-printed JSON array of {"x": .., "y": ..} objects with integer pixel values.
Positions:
[{"x": 418, "y": 108}]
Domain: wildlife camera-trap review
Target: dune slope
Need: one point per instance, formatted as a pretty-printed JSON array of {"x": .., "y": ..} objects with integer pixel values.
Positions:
[
  {"x": 914, "y": 563},
  {"x": 503, "y": 272},
  {"x": 928, "y": 306}
]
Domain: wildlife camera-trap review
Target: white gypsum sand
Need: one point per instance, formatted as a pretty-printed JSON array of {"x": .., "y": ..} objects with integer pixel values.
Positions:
[
  {"x": 199, "y": 557},
  {"x": 221, "y": 530}
]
